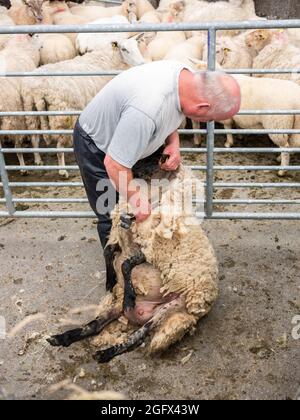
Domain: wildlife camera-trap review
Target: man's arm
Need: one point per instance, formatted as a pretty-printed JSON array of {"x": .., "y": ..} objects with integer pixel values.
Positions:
[
  {"x": 173, "y": 149},
  {"x": 121, "y": 178}
]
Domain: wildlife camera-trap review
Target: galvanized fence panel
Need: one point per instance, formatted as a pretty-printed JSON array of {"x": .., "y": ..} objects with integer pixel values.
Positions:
[{"x": 211, "y": 151}]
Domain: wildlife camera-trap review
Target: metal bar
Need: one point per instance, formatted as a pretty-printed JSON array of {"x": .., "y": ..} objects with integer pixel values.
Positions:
[
  {"x": 218, "y": 202},
  {"x": 269, "y": 112},
  {"x": 181, "y": 131},
  {"x": 41, "y": 168},
  {"x": 101, "y": 73},
  {"x": 221, "y": 185},
  {"x": 5, "y": 184},
  {"x": 44, "y": 184},
  {"x": 239, "y": 150},
  {"x": 207, "y": 168},
  {"x": 262, "y": 71},
  {"x": 33, "y": 132},
  {"x": 256, "y": 202},
  {"x": 39, "y": 113},
  {"x": 233, "y": 185},
  {"x": 255, "y": 216},
  {"x": 148, "y": 27},
  {"x": 183, "y": 150},
  {"x": 38, "y": 150},
  {"x": 216, "y": 215},
  {"x": 240, "y": 131},
  {"x": 47, "y": 200},
  {"x": 211, "y": 65},
  {"x": 246, "y": 168},
  {"x": 75, "y": 113}
]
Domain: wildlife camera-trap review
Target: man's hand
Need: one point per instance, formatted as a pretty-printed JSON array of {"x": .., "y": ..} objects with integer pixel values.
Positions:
[
  {"x": 142, "y": 210},
  {"x": 172, "y": 149}
]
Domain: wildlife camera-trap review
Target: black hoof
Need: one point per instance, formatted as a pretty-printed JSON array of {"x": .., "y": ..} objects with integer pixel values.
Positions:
[
  {"x": 129, "y": 302},
  {"x": 66, "y": 339},
  {"x": 104, "y": 356}
]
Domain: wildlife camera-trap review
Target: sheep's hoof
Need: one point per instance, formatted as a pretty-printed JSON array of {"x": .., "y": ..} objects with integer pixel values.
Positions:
[
  {"x": 282, "y": 173},
  {"x": 64, "y": 340},
  {"x": 64, "y": 174},
  {"x": 228, "y": 145},
  {"x": 103, "y": 356},
  {"x": 39, "y": 163},
  {"x": 24, "y": 173}
]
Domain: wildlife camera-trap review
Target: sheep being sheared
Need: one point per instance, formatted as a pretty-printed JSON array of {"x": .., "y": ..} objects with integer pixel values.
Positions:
[{"x": 163, "y": 273}]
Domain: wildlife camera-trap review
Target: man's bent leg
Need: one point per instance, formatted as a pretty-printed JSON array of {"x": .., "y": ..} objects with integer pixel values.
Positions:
[{"x": 100, "y": 192}]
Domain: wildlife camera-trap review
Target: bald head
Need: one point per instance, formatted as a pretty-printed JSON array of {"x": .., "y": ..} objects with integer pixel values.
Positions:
[{"x": 207, "y": 95}]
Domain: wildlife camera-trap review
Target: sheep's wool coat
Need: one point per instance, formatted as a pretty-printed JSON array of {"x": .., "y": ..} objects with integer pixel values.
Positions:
[{"x": 178, "y": 247}]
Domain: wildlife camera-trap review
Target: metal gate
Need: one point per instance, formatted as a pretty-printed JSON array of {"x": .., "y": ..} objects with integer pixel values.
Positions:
[{"x": 11, "y": 202}]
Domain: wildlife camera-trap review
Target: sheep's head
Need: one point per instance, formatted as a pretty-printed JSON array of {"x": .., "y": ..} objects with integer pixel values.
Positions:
[
  {"x": 129, "y": 49},
  {"x": 177, "y": 9},
  {"x": 129, "y": 8},
  {"x": 258, "y": 39},
  {"x": 35, "y": 8}
]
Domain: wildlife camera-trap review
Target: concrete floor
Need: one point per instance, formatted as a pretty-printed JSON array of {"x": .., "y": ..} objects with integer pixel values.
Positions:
[{"x": 243, "y": 350}]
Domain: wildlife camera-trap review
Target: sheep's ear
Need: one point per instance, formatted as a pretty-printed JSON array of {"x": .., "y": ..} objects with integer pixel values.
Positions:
[{"x": 115, "y": 45}]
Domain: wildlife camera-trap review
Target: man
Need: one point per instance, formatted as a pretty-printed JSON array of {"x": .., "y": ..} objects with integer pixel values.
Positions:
[{"x": 137, "y": 113}]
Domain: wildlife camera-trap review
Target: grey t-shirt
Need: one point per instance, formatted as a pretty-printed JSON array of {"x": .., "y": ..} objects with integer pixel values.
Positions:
[{"x": 132, "y": 116}]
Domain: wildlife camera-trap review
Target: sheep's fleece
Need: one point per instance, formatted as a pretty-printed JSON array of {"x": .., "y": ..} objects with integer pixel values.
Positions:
[
  {"x": 176, "y": 283},
  {"x": 180, "y": 260}
]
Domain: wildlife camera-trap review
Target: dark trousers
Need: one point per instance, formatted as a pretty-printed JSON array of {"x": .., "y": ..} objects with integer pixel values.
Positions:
[{"x": 91, "y": 163}]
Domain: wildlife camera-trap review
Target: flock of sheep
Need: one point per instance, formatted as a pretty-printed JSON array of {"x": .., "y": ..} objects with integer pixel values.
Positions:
[{"x": 43, "y": 53}]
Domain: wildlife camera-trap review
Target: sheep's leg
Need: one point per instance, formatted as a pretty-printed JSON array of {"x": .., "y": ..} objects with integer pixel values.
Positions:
[
  {"x": 35, "y": 140},
  {"x": 230, "y": 140},
  {"x": 127, "y": 267},
  {"x": 91, "y": 329},
  {"x": 61, "y": 159},
  {"x": 197, "y": 137},
  {"x": 285, "y": 161},
  {"x": 109, "y": 256},
  {"x": 18, "y": 145},
  {"x": 172, "y": 330},
  {"x": 139, "y": 336}
]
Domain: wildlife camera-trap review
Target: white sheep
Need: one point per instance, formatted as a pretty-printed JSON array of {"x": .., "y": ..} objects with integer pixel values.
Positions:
[
  {"x": 73, "y": 93},
  {"x": 234, "y": 10},
  {"x": 20, "y": 54},
  {"x": 267, "y": 93},
  {"x": 55, "y": 48},
  {"x": 231, "y": 52},
  {"x": 26, "y": 12},
  {"x": 279, "y": 54},
  {"x": 58, "y": 13},
  {"x": 166, "y": 272},
  {"x": 5, "y": 20},
  {"x": 127, "y": 8},
  {"x": 164, "y": 41},
  {"x": 87, "y": 42}
]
